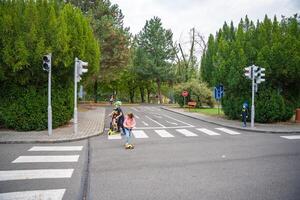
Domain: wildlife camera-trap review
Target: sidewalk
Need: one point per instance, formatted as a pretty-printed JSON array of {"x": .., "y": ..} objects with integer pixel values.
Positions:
[
  {"x": 90, "y": 123},
  {"x": 264, "y": 128}
]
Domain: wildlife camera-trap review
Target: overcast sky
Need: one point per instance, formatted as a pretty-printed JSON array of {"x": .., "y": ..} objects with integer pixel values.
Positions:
[{"x": 207, "y": 16}]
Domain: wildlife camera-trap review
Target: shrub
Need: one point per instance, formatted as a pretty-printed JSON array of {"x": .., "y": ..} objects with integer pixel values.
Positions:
[{"x": 27, "y": 108}]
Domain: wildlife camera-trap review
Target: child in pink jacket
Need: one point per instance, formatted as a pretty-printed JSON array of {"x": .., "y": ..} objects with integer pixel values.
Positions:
[{"x": 129, "y": 124}]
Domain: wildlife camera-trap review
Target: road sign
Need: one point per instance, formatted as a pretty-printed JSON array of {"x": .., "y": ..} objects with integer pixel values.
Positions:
[
  {"x": 219, "y": 91},
  {"x": 185, "y": 93}
]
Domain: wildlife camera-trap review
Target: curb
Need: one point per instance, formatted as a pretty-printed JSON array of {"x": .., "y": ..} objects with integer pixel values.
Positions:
[
  {"x": 52, "y": 141},
  {"x": 57, "y": 140},
  {"x": 234, "y": 127}
]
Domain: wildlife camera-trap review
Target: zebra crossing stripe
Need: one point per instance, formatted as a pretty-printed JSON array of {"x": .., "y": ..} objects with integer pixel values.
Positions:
[
  {"x": 208, "y": 132},
  {"x": 115, "y": 137},
  {"x": 139, "y": 134},
  {"x": 291, "y": 137},
  {"x": 35, "y": 174},
  {"x": 36, "y": 159},
  {"x": 164, "y": 133},
  {"x": 34, "y": 194},
  {"x": 56, "y": 148},
  {"x": 186, "y": 132},
  {"x": 228, "y": 131}
]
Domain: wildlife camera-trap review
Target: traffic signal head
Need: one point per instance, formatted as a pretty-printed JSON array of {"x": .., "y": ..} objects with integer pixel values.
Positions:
[
  {"x": 248, "y": 72},
  {"x": 80, "y": 69},
  {"x": 261, "y": 75},
  {"x": 47, "y": 62}
]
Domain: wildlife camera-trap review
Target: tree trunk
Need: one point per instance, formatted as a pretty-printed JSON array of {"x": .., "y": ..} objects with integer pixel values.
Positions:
[
  {"x": 131, "y": 95},
  {"x": 148, "y": 94},
  {"x": 95, "y": 90},
  {"x": 142, "y": 90},
  {"x": 159, "y": 90}
]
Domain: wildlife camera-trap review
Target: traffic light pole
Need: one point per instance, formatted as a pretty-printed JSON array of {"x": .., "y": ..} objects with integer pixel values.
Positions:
[
  {"x": 75, "y": 97},
  {"x": 49, "y": 103},
  {"x": 253, "y": 92}
]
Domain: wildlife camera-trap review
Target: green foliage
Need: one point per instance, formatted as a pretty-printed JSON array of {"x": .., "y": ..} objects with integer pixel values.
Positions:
[
  {"x": 28, "y": 30},
  {"x": 270, "y": 44},
  {"x": 26, "y": 108},
  {"x": 156, "y": 44},
  {"x": 106, "y": 20},
  {"x": 198, "y": 92}
]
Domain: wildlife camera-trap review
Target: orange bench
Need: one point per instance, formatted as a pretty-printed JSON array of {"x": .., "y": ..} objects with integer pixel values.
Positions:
[{"x": 192, "y": 104}]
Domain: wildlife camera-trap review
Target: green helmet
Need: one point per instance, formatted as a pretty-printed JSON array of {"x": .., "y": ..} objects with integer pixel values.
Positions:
[{"x": 118, "y": 103}]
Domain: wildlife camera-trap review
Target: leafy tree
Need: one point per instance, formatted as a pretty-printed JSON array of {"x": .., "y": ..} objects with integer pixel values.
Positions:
[
  {"x": 157, "y": 45},
  {"x": 107, "y": 23},
  {"x": 28, "y": 30},
  {"x": 270, "y": 44},
  {"x": 198, "y": 92}
]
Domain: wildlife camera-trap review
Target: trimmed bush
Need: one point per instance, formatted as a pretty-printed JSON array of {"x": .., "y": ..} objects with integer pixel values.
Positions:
[{"x": 27, "y": 108}]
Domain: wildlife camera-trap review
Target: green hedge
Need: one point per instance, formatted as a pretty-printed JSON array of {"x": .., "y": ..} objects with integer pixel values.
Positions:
[
  {"x": 270, "y": 106},
  {"x": 26, "y": 108}
]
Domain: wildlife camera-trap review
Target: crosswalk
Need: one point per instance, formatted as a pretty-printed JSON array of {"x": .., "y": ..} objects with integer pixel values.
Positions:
[
  {"x": 291, "y": 137},
  {"x": 40, "y": 174},
  {"x": 163, "y": 133}
]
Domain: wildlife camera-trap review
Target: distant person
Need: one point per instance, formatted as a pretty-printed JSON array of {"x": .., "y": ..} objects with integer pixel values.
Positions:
[
  {"x": 244, "y": 115},
  {"x": 120, "y": 117},
  {"x": 111, "y": 100},
  {"x": 129, "y": 124}
]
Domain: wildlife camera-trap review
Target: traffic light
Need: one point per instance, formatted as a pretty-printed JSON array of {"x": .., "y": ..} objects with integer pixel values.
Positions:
[
  {"x": 47, "y": 62},
  {"x": 261, "y": 75},
  {"x": 248, "y": 72},
  {"x": 80, "y": 69}
]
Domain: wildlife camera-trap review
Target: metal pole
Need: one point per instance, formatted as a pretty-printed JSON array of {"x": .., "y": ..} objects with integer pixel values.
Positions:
[
  {"x": 218, "y": 106},
  {"x": 75, "y": 96},
  {"x": 49, "y": 100},
  {"x": 252, "y": 106}
]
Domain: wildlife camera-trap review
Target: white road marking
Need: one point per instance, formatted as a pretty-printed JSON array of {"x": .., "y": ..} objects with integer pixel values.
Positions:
[
  {"x": 134, "y": 109},
  {"x": 179, "y": 121},
  {"x": 228, "y": 131},
  {"x": 208, "y": 132},
  {"x": 35, "y": 174},
  {"x": 35, "y": 159},
  {"x": 171, "y": 123},
  {"x": 34, "y": 195},
  {"x": 163, "y": 133},
  {"x": 158, "y": 127},
  {"x": 115, "y": 137},
  {"x": 291, "y": 137},
  {"x": 186, "y": 132},
  {"x": 155, "y": 121},
  {"x": 149, "y": 108},
  {"x": 145, "y": 123},
  {"x": 158, "y": 116},
  {"x": 155, "y": 108},
  {"x": 56, "y": 148},
  {"x": 136, "y": 116},
  {"x": 139, "y": 134}
]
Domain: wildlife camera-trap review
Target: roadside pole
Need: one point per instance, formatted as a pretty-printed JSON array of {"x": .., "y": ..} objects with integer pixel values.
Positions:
[
  {"x": 252, "y": 106},
  {"x": 47, "y": 67},
  {"x": 49, "y": 103},
  {"x": 75, "y": 97}
]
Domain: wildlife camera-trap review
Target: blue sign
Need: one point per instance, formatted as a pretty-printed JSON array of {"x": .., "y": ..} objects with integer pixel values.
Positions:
[{"x": 219, "y": 92}]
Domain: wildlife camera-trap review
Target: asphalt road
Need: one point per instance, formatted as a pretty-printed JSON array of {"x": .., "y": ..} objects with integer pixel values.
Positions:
[
  {"x": 242, "y": 166},
  {"x": 27, "y": 171},
  {"x": 175, "y": 157}
]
